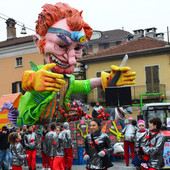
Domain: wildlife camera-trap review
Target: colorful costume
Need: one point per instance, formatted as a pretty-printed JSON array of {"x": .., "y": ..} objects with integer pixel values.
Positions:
[
  {"x": 129, "y": 132},
  {"x": 45, "y": 161},
  {"x": 67, "y": 146},
  {"x": 37, "y": 107},
  {"x": 17, "y": 156},
  {"x": 140, "y": 141},
  {"x": 30, "y": 141},
  {"x": 96, "y": 143},
  {"x": 61, "y": 34},
  {"x": 59, "y": 161},
  {"x": 49, "y": 144},
  {"x": 154, "y": 148}
]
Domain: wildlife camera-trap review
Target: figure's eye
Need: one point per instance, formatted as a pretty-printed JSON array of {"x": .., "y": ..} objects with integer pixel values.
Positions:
[
  {"x": 77, "y": 47},
  {"x": 62, "y": 46}
]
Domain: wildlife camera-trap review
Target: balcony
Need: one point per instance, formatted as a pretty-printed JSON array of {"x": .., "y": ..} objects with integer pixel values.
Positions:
[{"x": 136, "y": 91}]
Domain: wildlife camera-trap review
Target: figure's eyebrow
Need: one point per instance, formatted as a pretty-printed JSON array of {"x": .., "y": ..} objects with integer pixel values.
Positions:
[{"x": 64, "y": 38}]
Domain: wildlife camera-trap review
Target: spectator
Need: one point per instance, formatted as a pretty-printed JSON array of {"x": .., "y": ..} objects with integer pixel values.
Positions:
[
  {"x": 155, "y": 145},
  {"x": 97, "y": 147},
  {"x": 129, "y": 132},
  {"x": 16, "y": 148},
  {"x": 67, "y": 146},
  {"x": 140, "y": 141},
  {"x": 30, "y": 142},
  {"x": 45, "y": 160},
  {"x": 96, "y": 110},
  {"x": 59, "y": 161},
  {"x": 4, "y": 149},
  {"x": 49, "y": 143}
]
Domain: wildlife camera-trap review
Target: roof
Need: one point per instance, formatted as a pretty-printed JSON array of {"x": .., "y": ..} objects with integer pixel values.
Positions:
[
  {"x": 112, "y": 35},
  {"x": 14, "y": 41},
  {"x": 9, "y": 97},
  {"x": 126, "y": 47}
]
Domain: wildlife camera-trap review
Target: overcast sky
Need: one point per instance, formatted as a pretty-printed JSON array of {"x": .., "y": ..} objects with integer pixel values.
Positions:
[{"x": 99, "y": 14}]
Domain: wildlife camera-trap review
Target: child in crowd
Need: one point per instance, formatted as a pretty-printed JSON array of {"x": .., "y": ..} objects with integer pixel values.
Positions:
[
  {"x": 45, "y": 161},
  {"x": 59, "y": 161},
  {"x": 140, "y": 141},
  {"x": 30, "y": 141},
  {"x": 16, "y": 148},
  {"x": 129, "y": 132},
  {"x": 154, "y": 145}
]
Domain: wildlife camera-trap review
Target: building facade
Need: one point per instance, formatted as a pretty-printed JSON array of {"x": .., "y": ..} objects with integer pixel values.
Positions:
[{"x": 148, "y": 57}]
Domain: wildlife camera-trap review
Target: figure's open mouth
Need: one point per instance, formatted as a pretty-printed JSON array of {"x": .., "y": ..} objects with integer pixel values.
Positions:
[{"x": 57, "y": 61}]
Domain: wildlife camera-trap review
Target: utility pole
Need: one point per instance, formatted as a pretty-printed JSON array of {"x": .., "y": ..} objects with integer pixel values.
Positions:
[{"x": 168, "y": 34}]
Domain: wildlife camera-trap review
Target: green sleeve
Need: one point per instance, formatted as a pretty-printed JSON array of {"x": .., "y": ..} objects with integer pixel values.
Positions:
[{"x": 81, "y": 86}]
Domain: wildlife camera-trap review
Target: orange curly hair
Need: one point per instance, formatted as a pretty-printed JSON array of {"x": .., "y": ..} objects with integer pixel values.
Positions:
[{"x": 54, "y": 13}]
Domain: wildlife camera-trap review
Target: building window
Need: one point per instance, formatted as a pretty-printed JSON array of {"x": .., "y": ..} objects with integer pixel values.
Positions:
[
  {"x": 18, "y": 62},
  {"x": 106, "y": 45},
  {"x": 152, "y": 79},
  {"x": 95, "y": 48},
  {"x": 16, "y": 87}
]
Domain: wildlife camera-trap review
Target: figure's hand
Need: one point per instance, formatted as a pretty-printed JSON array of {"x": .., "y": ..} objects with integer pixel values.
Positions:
[
  {"x": 126, "y": 77},
  {"x": 101, "y": 154},
  {"x": 42, "y": 80},
  {"x": 86, "y": 157}
]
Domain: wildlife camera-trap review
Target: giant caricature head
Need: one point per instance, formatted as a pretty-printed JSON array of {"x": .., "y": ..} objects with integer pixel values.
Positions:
[{"x": 61, "y": 35}]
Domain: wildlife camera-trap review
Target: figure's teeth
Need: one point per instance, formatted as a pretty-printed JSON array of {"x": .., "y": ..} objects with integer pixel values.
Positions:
[
  {"x": 58, "y": 62},
  {"x": 53, "y": 58}
]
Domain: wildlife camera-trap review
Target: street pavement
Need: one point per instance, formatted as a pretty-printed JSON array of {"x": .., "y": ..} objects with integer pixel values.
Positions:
[{"x": 119, "y": 164}]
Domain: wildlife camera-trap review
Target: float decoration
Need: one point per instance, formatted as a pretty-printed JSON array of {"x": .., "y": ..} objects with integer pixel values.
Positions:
[
  {"x": 118, "y": 134},
  {"x": 74, "y": 112},
  {"x": 12, "y": 114},
  {"x": 61, "y": 34}
]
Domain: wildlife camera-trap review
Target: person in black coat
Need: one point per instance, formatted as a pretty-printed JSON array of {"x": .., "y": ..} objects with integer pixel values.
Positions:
[{"x": 4, "y": 149}]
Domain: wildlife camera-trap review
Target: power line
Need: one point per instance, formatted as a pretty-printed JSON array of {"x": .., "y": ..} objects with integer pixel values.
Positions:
[{"x": 17, "y": 22}]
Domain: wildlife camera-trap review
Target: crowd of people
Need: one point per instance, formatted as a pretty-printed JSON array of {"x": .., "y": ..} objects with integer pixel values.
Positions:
[
  {"x": 19, "y": 146},
  {"x": 146, "y": 144}
]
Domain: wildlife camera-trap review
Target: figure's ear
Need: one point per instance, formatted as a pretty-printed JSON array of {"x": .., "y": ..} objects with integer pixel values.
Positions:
[{"x": 36, "y": 39}]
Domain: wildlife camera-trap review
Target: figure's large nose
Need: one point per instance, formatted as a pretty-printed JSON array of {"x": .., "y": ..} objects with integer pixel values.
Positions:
[{"x": 72, "y": 57}]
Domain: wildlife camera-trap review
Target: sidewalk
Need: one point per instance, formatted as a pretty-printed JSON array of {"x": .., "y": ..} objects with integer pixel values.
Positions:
[{"x": 118, "y": 165}]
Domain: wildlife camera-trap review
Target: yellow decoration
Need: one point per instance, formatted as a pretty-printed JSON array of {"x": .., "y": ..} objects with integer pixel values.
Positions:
[
  {"x": 78, "y": 127},
  {"x": 116, "y": 132},
  {"x": 126, "y": 78},
  {"x": 42, "y": 80}
]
